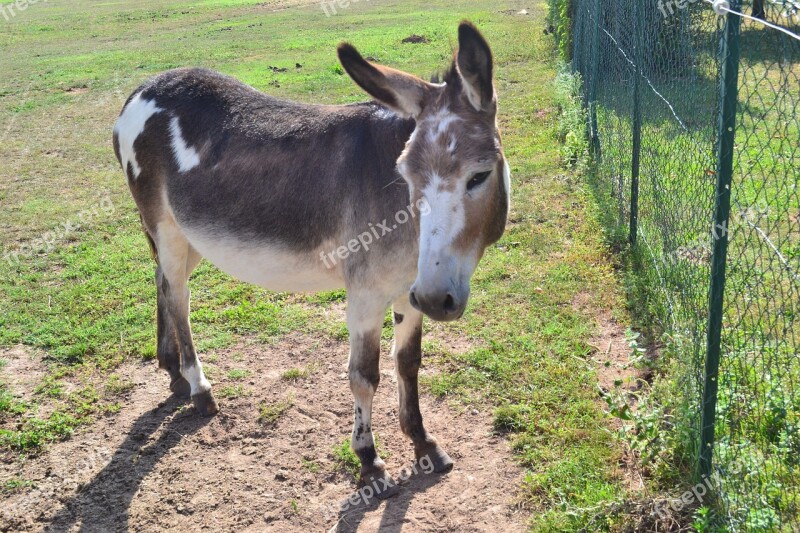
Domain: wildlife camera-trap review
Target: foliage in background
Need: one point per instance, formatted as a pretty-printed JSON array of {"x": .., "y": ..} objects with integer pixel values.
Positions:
[
  {"x": 571, "y": 130},
  {"x": 664, "y": 38},
  {"x": 559, "y": 23}
]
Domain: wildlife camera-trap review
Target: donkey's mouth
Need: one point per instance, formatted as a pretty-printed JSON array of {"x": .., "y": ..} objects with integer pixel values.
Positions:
[{"x": 439, "y": 307}]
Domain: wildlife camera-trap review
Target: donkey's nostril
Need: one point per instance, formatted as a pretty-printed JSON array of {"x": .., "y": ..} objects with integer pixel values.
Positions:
[
  {"x": 449, "y": 303},
  {"x": 413, "y": 299}
]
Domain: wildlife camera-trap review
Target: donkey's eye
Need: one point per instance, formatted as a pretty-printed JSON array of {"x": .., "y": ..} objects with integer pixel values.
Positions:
[{"x": 477, "y": 179}]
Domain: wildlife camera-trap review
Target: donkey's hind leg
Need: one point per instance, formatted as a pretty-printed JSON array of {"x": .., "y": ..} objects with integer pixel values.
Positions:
[
  {"x": 167, "y": 348},
  {"x": 176, "y": 260}
]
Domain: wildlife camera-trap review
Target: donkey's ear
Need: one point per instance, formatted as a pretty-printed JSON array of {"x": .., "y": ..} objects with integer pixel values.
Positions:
[
  {"x": 476, "y": 66},
  {"x": 402, "y": 92}
]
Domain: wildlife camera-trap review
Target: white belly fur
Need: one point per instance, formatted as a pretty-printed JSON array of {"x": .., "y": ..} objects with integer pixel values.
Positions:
[{"x": 268, "y": 266}]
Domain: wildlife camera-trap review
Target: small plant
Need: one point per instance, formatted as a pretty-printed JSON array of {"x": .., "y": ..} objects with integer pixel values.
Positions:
[
  {"x": 346, "y": 459},
  {"x": 116, "y": 385},
  {"x": 639, "y": 357},
  {"x": 14, "y": 484},
  {"x": 238, "y": 374},
  {"x": 233, "y": 391},
  {"x": 702, "y": 520},
  {"x": 509, "y": 418},
  {"x": 269, "y": 414},
  {"x": 311, "y": 466},
  {"x": 294, "y": 374},
  {"x": 572, "y": 120}
]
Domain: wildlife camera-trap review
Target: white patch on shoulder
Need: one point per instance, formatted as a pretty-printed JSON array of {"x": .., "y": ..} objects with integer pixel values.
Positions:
[
  {"x": 185, "y": 155},
  {"x": 128, "y": 128}
]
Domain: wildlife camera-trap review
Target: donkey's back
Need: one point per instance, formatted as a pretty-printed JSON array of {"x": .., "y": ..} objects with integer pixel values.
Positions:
[{"x": 249, "y": 164}]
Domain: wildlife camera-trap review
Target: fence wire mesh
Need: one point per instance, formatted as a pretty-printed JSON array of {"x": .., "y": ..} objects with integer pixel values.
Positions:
[{"x": 653, "y": 69}]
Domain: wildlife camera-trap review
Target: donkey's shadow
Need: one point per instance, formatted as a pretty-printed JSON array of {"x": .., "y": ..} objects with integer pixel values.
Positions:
[
  {"x": 393, "y": 516},
  {"x": 104, "y": 503}
]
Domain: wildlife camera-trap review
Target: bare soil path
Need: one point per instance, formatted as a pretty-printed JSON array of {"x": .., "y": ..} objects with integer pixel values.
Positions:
[{"x": 157, "y": 466}]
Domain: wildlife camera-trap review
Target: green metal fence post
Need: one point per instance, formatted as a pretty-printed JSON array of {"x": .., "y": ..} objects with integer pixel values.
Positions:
[
  {"x": 593, "y": 82},
  {"x": 725, "y": 151},
  {"x": 637, "y": 122}
]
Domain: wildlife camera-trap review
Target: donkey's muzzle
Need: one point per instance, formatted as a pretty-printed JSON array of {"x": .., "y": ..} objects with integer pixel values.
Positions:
[{"x": 439, "y": 306}]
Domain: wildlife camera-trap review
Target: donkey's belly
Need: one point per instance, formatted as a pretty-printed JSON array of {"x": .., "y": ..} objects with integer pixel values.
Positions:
[{"x": 269, "y": 266}]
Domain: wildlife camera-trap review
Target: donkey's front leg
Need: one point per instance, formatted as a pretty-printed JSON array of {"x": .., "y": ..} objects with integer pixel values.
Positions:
[
  {"x": 364, "y": 321},
  {"x": 408, "y": 359}
]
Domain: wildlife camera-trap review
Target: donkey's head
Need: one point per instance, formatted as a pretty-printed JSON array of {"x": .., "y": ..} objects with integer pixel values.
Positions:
[{"x": 453, "y": 161}]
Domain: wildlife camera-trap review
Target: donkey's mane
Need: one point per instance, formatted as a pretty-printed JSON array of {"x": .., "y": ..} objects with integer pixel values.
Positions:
[{"x": 449, "y": 76}]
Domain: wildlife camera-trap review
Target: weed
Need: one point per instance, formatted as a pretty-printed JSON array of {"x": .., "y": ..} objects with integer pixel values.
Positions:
[
  {"x": 294, "y": 374},
  {"x": 346, "y": 459},
  {"x": 232, "y": 391},
  {"x": 238, "y": 374},
  {"x": 269, "y": 414},
  {"x": 311, "y": 466}
]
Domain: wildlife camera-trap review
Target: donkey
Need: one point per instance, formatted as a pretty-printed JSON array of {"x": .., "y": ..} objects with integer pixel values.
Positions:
[{"x": 299, "y": 197}]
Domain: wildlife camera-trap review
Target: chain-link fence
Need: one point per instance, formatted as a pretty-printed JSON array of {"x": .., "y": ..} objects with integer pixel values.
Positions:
[{"x": 694, "y": 119}]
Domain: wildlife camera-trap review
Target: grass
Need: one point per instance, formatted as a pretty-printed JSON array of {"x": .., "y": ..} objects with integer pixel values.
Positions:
[
  {"x": 294, "y": 374},
  {"x": 115, "y": 385},
  {"x": 15, "y": 484},
  {"x": 9, "y": 404},
  {"x": 238, "y": 374},
  {"x": 311, "y": 466},
  {"x": 347, "y": 461},
  {"x": 232, "y": 391},
  {"x": 87, "y": 301},
  {"x": 270, "y": 413}
]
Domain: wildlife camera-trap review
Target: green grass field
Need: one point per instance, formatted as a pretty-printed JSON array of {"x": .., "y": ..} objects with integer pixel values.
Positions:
[{"x": 79, "y": 294}]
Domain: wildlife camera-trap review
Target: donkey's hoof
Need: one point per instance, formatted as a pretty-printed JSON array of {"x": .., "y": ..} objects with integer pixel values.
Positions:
[
  {"x": 205, "y": 404},
  {"x": 378, "y": 482},
  {"x": 435, "y": 456},
  {"x": 181, "y": 388}
]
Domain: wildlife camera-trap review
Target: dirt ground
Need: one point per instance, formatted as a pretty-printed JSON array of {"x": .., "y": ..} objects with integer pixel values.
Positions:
[{"x": 157, "y": 466}]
